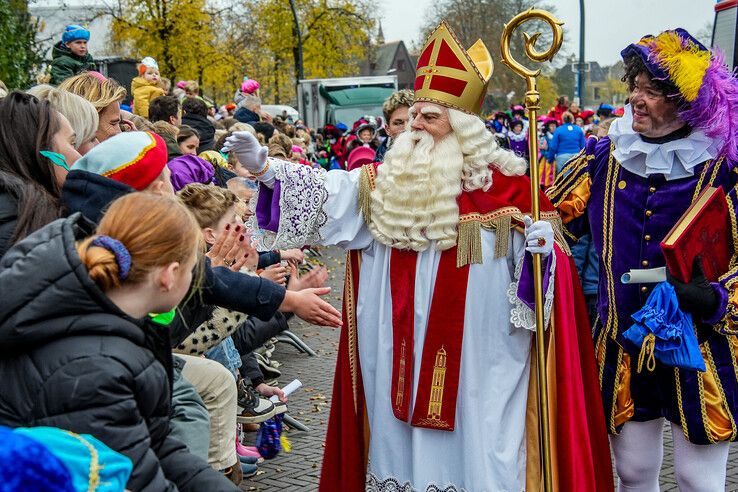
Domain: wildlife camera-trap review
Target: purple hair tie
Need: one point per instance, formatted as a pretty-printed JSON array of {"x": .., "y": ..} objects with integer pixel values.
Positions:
[{"x": 122, "y": 256}]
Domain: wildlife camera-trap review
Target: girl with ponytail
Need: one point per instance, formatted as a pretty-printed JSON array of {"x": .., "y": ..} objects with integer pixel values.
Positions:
[{"x": 79, "y": 349}]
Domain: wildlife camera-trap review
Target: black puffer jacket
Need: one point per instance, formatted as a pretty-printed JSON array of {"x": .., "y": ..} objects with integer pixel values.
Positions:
[{"x": 69, "y": 358}]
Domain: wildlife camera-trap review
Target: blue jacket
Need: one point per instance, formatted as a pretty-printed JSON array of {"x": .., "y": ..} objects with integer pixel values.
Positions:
[{"x": 567, "y": 139}]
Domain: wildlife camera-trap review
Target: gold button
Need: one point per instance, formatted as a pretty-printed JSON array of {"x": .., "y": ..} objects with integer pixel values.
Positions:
[
  {"x": 647, "y": 237},
  {"x": 622, "y": 185},
  {"x": 644, "y": 263},
  {"x": 652, "y": 189},
  {"x": 648, "y": 213},
  {"x": 644, "y": 289}
]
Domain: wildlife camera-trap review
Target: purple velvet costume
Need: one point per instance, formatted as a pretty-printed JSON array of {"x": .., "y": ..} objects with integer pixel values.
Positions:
[
  {"x": 628, "y": 216},
  {"x": 519, "y": 146}
]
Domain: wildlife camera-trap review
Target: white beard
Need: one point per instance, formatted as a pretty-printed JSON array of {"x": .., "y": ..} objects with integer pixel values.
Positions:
[{"x": 414, "y": 201}]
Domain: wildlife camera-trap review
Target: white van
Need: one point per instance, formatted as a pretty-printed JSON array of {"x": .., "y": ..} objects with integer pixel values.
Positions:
[{"x": 280, "y": 110}]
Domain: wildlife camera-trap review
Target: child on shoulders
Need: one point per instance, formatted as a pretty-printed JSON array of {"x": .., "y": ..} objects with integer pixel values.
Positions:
[
  {"x": 146, "y": 87},
  {"x": 70, "y": 55}
]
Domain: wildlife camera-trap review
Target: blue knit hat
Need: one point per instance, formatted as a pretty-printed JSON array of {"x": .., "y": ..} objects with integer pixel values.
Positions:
[{"x": 73, "y": 32}]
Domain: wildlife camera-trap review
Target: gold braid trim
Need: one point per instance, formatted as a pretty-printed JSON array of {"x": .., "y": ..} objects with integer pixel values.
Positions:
[
  {"x": 366, "y": 186},
  {"x": 569, "y": 178},
  {"x": 95, "y": 466}
]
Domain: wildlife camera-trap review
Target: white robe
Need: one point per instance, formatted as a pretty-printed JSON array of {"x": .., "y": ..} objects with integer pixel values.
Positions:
[{"x": 486, "y": 451}]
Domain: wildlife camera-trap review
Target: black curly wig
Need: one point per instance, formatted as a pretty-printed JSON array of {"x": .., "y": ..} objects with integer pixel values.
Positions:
[{"x": 635, "y": 66}]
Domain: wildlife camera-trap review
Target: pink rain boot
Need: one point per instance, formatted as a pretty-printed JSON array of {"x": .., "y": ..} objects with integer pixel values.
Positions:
[{"x": 242, "y": 450}]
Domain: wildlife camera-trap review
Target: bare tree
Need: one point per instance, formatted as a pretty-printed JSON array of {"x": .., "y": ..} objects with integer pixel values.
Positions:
[{"x": 485, "y": 19}]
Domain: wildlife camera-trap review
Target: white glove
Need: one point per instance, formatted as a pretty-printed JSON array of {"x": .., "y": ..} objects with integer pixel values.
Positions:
[
  {"x": 250, "y": 154},
  {"x": 539, "y": 236}
]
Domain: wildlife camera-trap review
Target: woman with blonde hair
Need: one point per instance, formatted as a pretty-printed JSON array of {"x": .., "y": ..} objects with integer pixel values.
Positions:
[
  {"x": 80, "y": 113},
  {"x": 104, "y": 94},
  {"x": 86, "y": 356}
]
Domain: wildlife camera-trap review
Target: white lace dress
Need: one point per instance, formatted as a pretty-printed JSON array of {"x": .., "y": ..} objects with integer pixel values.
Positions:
[{"x": 486, "y": 451}]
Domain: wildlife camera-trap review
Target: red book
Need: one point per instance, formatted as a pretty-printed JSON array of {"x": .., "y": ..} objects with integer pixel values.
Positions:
[{"x": 705, "y": 231}]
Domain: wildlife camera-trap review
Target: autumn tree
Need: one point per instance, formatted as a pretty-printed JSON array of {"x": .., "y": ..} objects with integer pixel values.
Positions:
[
  {"x": 335, "y": 37},
  {"x": 21, "y": 54},
  {"x": 218, "y": 44},
  {"x": 177, "y": 33}
]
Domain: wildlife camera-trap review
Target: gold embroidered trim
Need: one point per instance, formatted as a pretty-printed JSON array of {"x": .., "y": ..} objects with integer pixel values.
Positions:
[
  {"x": 95, "y": 466},
  {"x": 719, "y": 384},
  {"x": 613, "y": 169},
  {"x": 682, "y": 418},
  {"x": 715, "y": 170},
  {"x": 351, "y": 335},
  {"x": 703, "y": 409},
  {"x": 569, "y": 172},
  {"x": 366, "y": 186},
  {"x": 698, "y": 188},
  {"x": 615, "y": 386},
  {"x": 727, "y": 324}
]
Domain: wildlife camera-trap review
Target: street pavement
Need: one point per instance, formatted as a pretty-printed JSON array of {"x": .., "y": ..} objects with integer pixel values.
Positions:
[{"x": 300, "y": 469}]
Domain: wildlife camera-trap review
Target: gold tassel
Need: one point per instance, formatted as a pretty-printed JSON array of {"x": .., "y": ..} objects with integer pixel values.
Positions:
[
  {"x": 365, "y": 194},
  {"x": 558, "y": 228},
  {"x": 469, "y": 244},
  {"x": 503, "y": 225},
  {"x": 647, "y": 348}
]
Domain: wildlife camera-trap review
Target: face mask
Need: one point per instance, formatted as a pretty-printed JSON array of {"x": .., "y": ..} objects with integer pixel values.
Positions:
[{"x": 56, "y": 158}]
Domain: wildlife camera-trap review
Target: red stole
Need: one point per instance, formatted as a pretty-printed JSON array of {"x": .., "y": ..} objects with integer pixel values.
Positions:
[{"x": 438, "y": 383}]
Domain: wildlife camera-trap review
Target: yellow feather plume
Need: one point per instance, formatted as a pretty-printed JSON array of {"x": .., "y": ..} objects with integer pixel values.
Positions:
[{"x": 686, "y": 67}]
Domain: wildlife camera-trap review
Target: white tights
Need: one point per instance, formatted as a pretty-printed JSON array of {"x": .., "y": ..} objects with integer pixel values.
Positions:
[{"x": 639, "y": 451}]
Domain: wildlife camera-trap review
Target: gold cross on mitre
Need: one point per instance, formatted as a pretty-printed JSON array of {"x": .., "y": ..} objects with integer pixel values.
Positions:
[{"x": 451, "y": 76}]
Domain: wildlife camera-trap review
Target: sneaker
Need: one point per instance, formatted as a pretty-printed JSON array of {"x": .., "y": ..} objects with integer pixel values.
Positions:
[
  {"x": 248, "y": 470},
  {"x": 279, "y": 407},
  {"x": 253, "y": 409},
  {"x": 269, "y": 371},
  {"x": 251, "y": 460}
]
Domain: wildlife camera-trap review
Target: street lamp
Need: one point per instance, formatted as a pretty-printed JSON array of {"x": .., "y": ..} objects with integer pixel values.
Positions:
[{"x": 580, "y": 71}]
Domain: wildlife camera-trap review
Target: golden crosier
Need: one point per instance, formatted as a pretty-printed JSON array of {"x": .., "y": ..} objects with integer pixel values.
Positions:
[{"x": 532, "y": 104}]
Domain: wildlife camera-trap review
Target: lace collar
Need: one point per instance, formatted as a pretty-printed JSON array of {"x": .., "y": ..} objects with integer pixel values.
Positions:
[
  {"x": 676, "y": 159},
  {"x": 517, "y": 137}
]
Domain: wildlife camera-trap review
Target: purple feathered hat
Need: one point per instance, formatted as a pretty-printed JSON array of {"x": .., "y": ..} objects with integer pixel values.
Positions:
[{"x": 708, "y": 88}]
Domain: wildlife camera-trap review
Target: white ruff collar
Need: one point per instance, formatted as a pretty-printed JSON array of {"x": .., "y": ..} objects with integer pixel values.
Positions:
[
  {"x": 675, "y": 159},
  {"x": 518, "y": 137}
]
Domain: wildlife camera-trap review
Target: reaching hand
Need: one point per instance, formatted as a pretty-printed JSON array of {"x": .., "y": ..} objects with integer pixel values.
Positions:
[
  {"x": 539, "y": 236},
  {"x": 231, "y": 249},
  {"x": 315, "y": 278},
  {"x": 308, "y": 305},
  {"x": 276, "y": 273},
  {"x": 268, "y": 391},
  {"x": 248, "y": 150},
  {"x": 292, "y": 255},
  {"x": 696, "y": 296}
]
